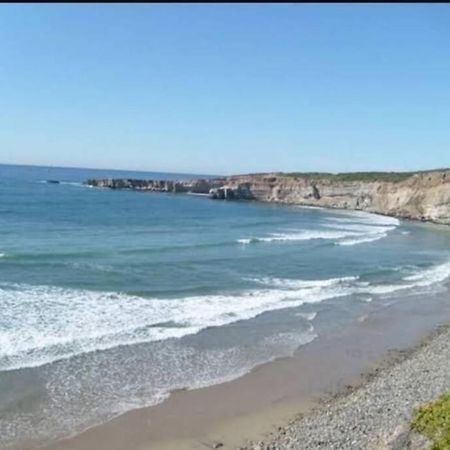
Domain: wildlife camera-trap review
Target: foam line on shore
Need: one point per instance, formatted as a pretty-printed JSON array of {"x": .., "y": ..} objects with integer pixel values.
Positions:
[
  {"x": 45, "y": 324},
  {"x": 52, "y": 323}
]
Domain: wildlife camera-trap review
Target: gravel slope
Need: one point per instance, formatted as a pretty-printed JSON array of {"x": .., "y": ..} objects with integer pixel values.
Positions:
[{"x": 375, "y": 415}]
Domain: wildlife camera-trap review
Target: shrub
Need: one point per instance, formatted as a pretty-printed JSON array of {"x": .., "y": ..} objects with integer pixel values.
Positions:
[{"x": 433, "y": 421}]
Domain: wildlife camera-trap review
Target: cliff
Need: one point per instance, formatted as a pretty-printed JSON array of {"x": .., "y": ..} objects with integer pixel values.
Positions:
[{"x": 420, "y": 195}]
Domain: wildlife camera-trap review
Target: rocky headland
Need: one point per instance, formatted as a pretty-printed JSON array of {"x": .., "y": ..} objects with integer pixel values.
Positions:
[
  {"x": 198, "y": 186},
  {"x": 414, "y": 195}
]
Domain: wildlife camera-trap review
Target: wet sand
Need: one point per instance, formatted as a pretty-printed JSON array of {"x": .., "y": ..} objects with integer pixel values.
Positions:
[{"x": 251, "y": 407}]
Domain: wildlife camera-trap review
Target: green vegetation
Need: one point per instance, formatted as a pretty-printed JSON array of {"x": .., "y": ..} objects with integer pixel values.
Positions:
[
  {"x": 433, "y": 421},
  {"x": 394, "y": 177}
]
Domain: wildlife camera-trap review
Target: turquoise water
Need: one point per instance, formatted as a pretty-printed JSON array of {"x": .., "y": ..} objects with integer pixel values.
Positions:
[{"x": 112, "y": 299}]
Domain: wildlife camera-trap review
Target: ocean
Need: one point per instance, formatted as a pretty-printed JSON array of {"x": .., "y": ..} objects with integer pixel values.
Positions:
[{"x": 110, "y": 300}]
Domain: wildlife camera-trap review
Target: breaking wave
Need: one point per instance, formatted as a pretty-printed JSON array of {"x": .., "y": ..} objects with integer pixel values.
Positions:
[
  {"x": 358, "y": 229},
  {"x": 364, "y": 239},
  {"x": 436, "y": 274},
  {"x": 302, "y": 235},
  {"x": 44, "y": 324}
]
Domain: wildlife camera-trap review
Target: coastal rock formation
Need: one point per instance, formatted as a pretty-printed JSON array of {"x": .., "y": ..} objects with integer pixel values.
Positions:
[
  {"x": 198, "y": 186},
  {"x": 420, "y": 195},
  {"x": 240, "y": 191}
]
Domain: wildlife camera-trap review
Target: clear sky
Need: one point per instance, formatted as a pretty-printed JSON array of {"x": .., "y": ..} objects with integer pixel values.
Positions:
[{"x": 226, "y": 88}]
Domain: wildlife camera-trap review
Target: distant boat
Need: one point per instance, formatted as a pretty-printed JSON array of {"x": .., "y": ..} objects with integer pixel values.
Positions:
[{"x": 53, "y": 181}]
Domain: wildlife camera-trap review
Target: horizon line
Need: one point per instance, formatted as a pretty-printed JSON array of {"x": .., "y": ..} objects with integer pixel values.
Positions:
[{"x": 312, "y": 172}]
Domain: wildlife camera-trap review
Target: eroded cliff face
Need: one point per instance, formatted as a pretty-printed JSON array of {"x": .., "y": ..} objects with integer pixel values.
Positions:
[{"x": 421, "y": 196}]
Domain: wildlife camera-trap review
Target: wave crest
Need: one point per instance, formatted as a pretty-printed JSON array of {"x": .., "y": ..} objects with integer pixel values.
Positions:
[
  {"x": 42, "y": 324},
  {"x": 362, "y": 228},
  {"x": 45, "y": 324}
]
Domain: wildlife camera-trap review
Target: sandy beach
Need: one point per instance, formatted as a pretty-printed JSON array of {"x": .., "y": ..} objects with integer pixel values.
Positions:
[{"x": 349, "y": 390}]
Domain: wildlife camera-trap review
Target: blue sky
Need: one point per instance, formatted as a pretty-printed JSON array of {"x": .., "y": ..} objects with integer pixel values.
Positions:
[{"x": 226, "y": 88}]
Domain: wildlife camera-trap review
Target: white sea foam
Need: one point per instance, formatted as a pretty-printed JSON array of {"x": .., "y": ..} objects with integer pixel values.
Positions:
[
  {"x": 111, "y": 385},
  {"x": 362, "y": 240},
  {"x": 308, "y": 316},
  {"x": 41, "y": 324},
  {"x": 286, "y": 340},
  {"x": 337, "y": 287},
  {"x": 300, "y": 235},
  {"x": 430, "y": 276},
  {"x": 285, "y": 283},
  {"x": 44, "y": 324},
  {"x": 333, "y": 287},
  {"x": 365, "y": 217},
  {"x": 360, "y": 228},
  {"x": 310, "y": 207}
]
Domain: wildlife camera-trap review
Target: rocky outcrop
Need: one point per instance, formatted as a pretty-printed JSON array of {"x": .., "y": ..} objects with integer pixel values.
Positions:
[
  {"x": 421, "y": 195},
  {"x": 240, "y": 191},
  {"x": 198, "y": 186}
]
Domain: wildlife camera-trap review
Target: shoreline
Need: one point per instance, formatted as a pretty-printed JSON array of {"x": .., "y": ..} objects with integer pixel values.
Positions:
[
  {"x": 328, "y": 419},
  {"x": 263, "y": 406}
]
